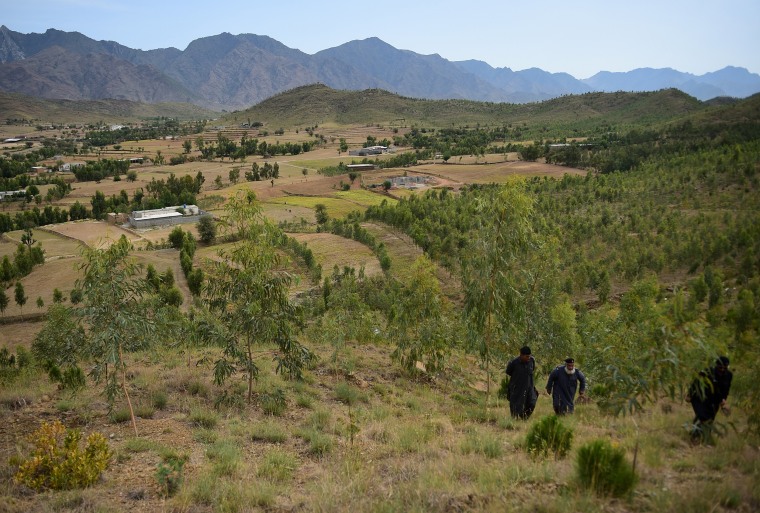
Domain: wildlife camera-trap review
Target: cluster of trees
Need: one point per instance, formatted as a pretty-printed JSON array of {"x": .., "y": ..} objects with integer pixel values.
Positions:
[
  {"x": 225, "y": 147},
  {"x": 157, "y": 130},
  {"x": 97, "y": 170},
  {"x": 265, "y": 172},
  {"x": 28, "y": 254},
  {"x": 35, "y": 217}
]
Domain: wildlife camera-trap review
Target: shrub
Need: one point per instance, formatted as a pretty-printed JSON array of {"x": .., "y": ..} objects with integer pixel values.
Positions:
[
  {"x": 169, "y": 474},
  {"x": 58, "y": 463},
  {"x": 604, "y": 469},
  {"x": 549, "y": 435}
]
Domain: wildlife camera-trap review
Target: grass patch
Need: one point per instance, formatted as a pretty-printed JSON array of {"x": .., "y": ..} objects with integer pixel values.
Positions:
[
  {"x": 277, "y": 466},
  {"x": 203, "y": 417},
  {"x": 270, "y": 432},
  {"x": 348, "y": 394},
  {"x": 225, "y": 457},
  {"x": 486, "y": 444}
]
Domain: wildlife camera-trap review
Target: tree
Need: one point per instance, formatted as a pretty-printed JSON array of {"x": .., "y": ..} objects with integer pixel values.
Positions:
[
  {"x": 40, "y": 302},
  {"x": 3, "y": 301},
  {"x": 20, "y": 296},
  {"x": 131, "y": 175},
  {"x": 387, "y": 185},
  {"x": 28, "y": 238},
  {"x": 320, "y": 213},
  {"x": 206, "y": 229},
  {"x": 57, "y": 296},
  {"x": 418, "y": 322},
  {"x": 176, "y": 237},
  {"x": 159, "y": 159},
  {"x": 353, "y": 175},
  {"x": 234, "y": 175},
  {"x": 343, "y": 146},
  {"x": 187, "y": 145},
  {"x": 502, "y": 277},
  {"x": 248, "y": 290},
  {"x": 99, "y": 205},
  {"x": 115, "y": 315}
]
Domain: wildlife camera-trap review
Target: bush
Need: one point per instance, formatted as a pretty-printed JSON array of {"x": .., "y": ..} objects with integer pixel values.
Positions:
[
  {"x": 549, "y": 435},
  {"x": 58, "y": 463},
  {"x": 604, "y": 469},
  {"x": 169, "y": 474}
]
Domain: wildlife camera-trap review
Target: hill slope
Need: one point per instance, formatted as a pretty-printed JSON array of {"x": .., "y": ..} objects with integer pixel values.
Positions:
[{"x": 318, "y": 103}]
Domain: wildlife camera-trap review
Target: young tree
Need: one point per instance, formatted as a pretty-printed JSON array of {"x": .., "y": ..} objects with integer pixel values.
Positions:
[
  {"x": 206, "y": 229},
  {"x": 20, "y": 296},
  {"x": 115, "y": 315},
  {"x": 320, "y": 213},
  {"x": 499, "y": 278},
  {"x": 187, "y": 145},
  {"x": 3, "y": 301},
  {"x": 353, "y": 175},
  {"x": 418, "y": 322},
  {"x": 234, "y": 175},
  {"x": 248, "y": 290},
  {"x": 40, "y": 302}
]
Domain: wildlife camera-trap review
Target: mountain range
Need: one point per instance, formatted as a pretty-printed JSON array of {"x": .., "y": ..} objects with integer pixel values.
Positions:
[{"x": 232, "y": 72}]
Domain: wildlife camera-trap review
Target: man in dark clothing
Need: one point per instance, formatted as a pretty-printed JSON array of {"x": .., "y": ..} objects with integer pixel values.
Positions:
[
  {"x": 562, "y": 384},
  {"x": 709, "y": 391},
  {"x": 522, "y": 393}
]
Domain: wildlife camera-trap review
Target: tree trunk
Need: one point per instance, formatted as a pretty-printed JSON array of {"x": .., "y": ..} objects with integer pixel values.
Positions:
[{"x": 126, "y": 393}]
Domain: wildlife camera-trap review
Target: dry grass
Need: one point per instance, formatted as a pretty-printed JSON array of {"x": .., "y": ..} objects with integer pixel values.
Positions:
[
  {"x": 331, "y": 250},
  {"x": 419, "y": 446}
]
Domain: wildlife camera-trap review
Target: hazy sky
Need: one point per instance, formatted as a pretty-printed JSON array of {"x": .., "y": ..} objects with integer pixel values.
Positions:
[{"x": 580, "y": 37}]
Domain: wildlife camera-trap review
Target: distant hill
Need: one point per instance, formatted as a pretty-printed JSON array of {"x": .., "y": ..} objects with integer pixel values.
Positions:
[
  {"x": 232, "y": 72},
  {"x": 18, "y": 106},
  {"x": 307, "y": 105}
]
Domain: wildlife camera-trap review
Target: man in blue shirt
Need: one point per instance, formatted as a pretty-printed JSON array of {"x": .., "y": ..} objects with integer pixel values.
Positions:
[{"x": 562, "y": 384}]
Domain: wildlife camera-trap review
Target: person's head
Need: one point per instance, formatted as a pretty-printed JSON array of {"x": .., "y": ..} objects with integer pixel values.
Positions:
[
  {"x": 524, "y": 353},
  {"x": 569, "y": 365},
  {"x": 721, "y": 364}
]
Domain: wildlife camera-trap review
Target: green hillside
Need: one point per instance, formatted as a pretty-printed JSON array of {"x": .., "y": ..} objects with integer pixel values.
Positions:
[
  {"x": 21, "y": 107},
  {"x": 317, "y": 103}
]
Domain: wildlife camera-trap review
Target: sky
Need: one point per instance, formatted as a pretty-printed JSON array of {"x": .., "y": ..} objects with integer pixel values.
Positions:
[{"x": 580, "y": 38}]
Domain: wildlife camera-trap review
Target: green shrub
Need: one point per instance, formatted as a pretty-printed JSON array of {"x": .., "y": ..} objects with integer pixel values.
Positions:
[
  {"x": 58, "y": 463},
  {"x": 604, "y": 469},
  {"x": 549, "y": 435},
  {"x": 169, "y": 474}
]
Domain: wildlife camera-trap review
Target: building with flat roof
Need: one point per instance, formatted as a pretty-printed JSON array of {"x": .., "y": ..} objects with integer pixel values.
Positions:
[{"x": 166, "y": 216}]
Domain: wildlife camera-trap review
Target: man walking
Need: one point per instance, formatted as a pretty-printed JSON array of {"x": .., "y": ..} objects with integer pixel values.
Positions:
[
  {"x": 708, "y": 393},
  {"x": 521, "y": 390},
  {"x": 562, "y": 384}
]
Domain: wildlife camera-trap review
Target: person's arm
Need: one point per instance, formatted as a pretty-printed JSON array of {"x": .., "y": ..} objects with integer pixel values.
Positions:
[
  {"x": 550, "y": 381},
  {"x": 582, "y": 379},
  {"x": 510, "y": 367}
]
